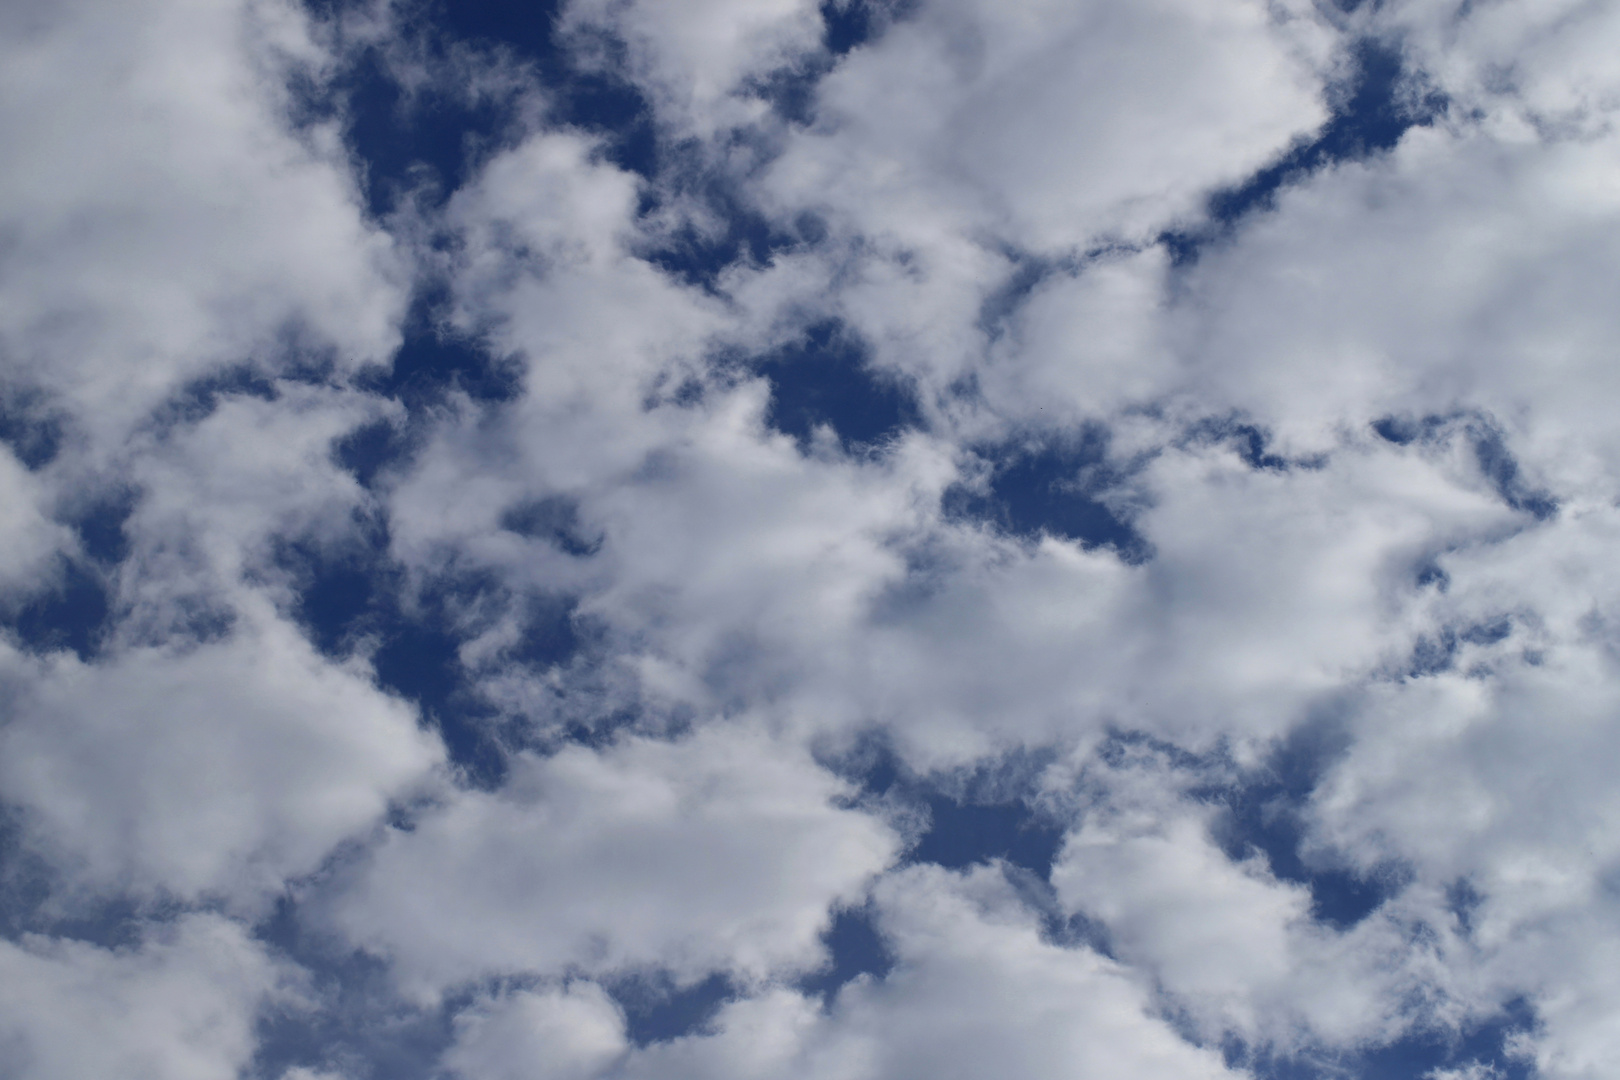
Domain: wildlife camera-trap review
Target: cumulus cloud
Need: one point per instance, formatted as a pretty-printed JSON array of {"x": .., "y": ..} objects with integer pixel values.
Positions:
[
  {"x": 28, "y": 537},
  {"x": 164, "y": 218},
  {"x": 216, "y": 770},
  {"x": 180, "y": 1004},
  {"x": 1181, "y": 430},
  {"x": 569, "y": 1034},
  {"x": 975, "y": 991},
  {"x": 703, "y": 62},
  {"x": 981, "y": 116},
  {"x": 723, "y": 850}
]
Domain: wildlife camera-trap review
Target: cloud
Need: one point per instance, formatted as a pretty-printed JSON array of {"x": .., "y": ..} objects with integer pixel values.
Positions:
[
  {"x": 1240, "y": 951},
  {"x": 698, "y": 63},
  {"x": 975, "y": 991},
  {"x": 164, "y": 217},
  {"x": 571, "y": 1034},
  {"x": 179, "y": 1004},
  {"x": 722, "y": 850},
  {"x": 1267, "y": 533},
  {"x": 218, "y": 770},
  {"x": 28, "y": 537}
]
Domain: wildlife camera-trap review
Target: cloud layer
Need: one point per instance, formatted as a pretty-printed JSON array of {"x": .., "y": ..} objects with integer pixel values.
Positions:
[{"x": 848, "y": 541}]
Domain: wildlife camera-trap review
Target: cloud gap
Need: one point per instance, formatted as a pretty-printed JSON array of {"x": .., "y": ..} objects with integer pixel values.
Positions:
[
  {"x": 657, "y": 1008},
  {"x": 1252, "y": 443},
  {"x": 350, "y": 1015},
  {"x": 855, "y": 947},
  {"x": 827, "y": 379},
  {"x": 428, "y": 137},
  {"x": 964, "y": 818},
  {"x": 1264, "y": 813},
  {"x": 72, "y": 612},
  {"x": 699, "y": 254},
  {"x": 1377, "y": 104},
  {"x": 30, "y": 427},
  {"x": 356, "y": 598},
  {"x": 435, "y": 358},
  {"x": 1058, "y": 487}
]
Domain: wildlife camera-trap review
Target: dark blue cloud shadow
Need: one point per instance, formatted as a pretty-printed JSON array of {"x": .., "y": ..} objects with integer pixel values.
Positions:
[
  {"x": 429, "y": 138},
  {"x": 553, "y": 519},
  {"x": 972, "y": 817},
  {"x": 100, "y": 527},
  {"x": 1251, "y": 442},
  {"x": 698, "y": 255},
  {"x": 963, "y": 833},
  {"x": 355, "y": 1024},
  {"x": 1432, "y": 655},
  {"x": 435, "y": 358},
  {"x": 26, "y": 879}
]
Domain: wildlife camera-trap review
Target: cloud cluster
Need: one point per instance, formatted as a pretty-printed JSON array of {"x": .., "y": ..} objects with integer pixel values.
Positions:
[{"x": 544, "y": 621}]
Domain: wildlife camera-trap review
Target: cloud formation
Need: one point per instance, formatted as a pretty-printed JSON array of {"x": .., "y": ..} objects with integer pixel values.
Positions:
[{"x": 849, "y": 541}]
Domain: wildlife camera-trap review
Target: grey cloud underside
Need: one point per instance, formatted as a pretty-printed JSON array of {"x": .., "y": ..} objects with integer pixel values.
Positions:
[{"x": 845, "y": 541}]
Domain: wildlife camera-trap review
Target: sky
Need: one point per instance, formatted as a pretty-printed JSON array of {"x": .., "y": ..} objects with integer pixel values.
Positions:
[{"x": 776, "y": 540}]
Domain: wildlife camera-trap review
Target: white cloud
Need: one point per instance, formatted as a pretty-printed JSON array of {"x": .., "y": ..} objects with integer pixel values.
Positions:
[
  {"x": 1548, "y": 64},
  {"x": 698, "y": 59},
  {"x": 207, "y": 770},
  {"x": 985, "y": 116},
  {"x": 27, "y": 536},
  {"x": 1238, "y": 950},
  {"x": 1491, "y": 775},
  {"x": 570, "y": 1034},
  {"x": 162, "y": 218},
  {"x": 1458, "y": 272},
  {"x": 180, "y": 1005},
  {"x": 721, "y": 850},
  {"x": 1475, "y": 1071},
  {"x": 975, "y": 992}
]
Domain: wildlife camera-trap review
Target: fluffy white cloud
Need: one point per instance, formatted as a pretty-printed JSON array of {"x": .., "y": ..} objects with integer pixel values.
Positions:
[
  {"x": 205, "y": 770},
  {"x": 1548, "y": 64},
  {"x": 975, "y": 992},
  {"x": 1458, "y": 272},
  {"x": 27, "y": 535},
  {"x": 161, "y": 216},
  {"x": 721, "y": 850},
  {"x": 697, "y": 60},
  {"x": 1487, "y": 780},
  {"x": 1238, "y": 950},
  {"x": 570, "y": 1034},
  {"x": 178, "y": 1006},
  {"x": 1000, "y": 108}
]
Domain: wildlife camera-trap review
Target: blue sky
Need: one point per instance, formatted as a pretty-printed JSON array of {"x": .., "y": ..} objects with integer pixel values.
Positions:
[{"x": 847, "y": 541}]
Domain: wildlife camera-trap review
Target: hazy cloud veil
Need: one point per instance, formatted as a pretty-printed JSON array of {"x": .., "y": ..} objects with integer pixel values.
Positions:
[{"x": 870, "y": 540}]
